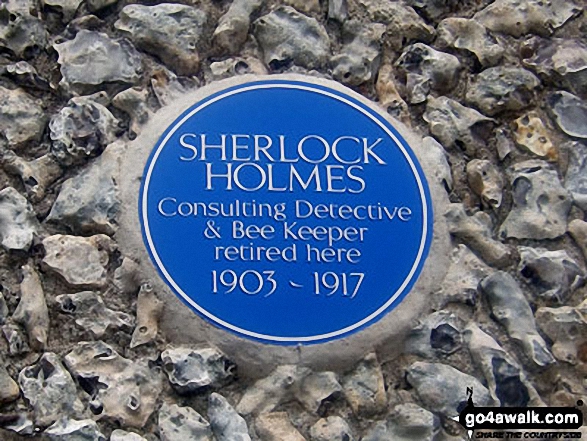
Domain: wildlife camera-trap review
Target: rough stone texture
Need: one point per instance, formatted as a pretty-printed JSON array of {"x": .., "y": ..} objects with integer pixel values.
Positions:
[
  {"x": 226, "y": 423},
  {"x": 576, "y": 177},
  {"x": 74, "y": 430},
  {"x": 267, "y": 393},
  {"x": 333, "y": 428},
  {"x": 21, "y": 117},
  {"x": 552, "y": 275},
  {"x": 21, "y": 33},
  {"x": 120, "y": 389},
  {"x": 511, "y": 309},
  {"x": 288, "y": 37},
  {"x": 533, "y": 16},
  {"x": 570, "y": 113},
  {"x": 9, "y": 390},
  {"x": 31, "y": 311},
  {"x": 82, "y": 129},
  {"x": 277, "y": 426},
  {"x": 18, "y": 224},
  {"x": 541, "y": 203},
  {"x": 183, "y": 423},
  {"x": 502, "y": 88},
  {"x": 169, "y": 31},
  {"x": 465, "y": 273},
  {"x": 560, "y": 60},
  {"x": 233, "y": 27},
  {"x": 192, "y": 369},
  {"x": 485, "y": 179},
  {"x": 358, "y": 60},
  {"x": 531, "y": 135},
  {"x": 476, "y": 232},
  {"x": 89, "y": 202},
  {"x": 476, "y": 32},
  {"x": 49, "y": 389},
  {"x": 121, "y": 435},
  {"x": 470, "y": 35},
  {"x": 507, "y": 382},
  {"x": 81, "y": 261},
  {"x": 149, "y": 310},
  {"x": 427, "y": 69},
  {"x": 93, "y": 58},
  {"x": 455, "y": 125},
  {"x": 404, "y": 25},
  {"x": 364, "y": 387},
  {"x": 440, "y": 387},
  {"x": 92, "y": 314}
]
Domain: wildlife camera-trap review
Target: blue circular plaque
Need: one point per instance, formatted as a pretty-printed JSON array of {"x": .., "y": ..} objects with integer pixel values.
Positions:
[{"x": 286, "y": 212}]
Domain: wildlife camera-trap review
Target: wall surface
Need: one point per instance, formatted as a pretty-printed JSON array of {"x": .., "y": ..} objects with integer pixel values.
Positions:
[{"x": 497, "y": 90}]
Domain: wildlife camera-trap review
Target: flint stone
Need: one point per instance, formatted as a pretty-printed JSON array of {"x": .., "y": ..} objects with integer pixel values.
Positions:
[
  {"x": 517, "y": 17},
  {"x": 427, "y": 69},
  {"x": 578, "y": 230},
  {"x": 121, "y": 435},
  {"x": 567, "y": 328},
  {"x": 486, "y": 181},
  {"x": 455, "y": 125},
  {"x": 442, "y": 388},
  {"x": 92, "y": 314},
  {"x": 287, "y": 37},
  {"x": 72, "y": 430},
  {"x": 560, "y": 59},
  {"x": 96, "y": 5},
  {"x": 364, "y": 387},
  {"x": 36, "y": 175},
  {"x": 81, "y": 261},
  {"x": 497, "y": 89},
  {"x": 82, "y": 129},
  {"x": 576, "y": 177},
  {"x": 93, "y": 58},
  {"x": 133, "y": 101},
  {"x": 506, "y": 380},
  {"x": 552, "y": 275},
  {"x": 470, "y": 35},
  {"x": 462, "y": 279},
  {"x": 234, "y": 66},
  {"x": 49, "y": 389},
  {"x": 149, "y": 310},
  {"x": 18, "y": 223},
  {"x": 569, "y": 113},
  {"x": 540, "y": 203},
  {"x": 439, "y": 334},
  {"x": 226, "y": 423},
  {"x": 269, "y": 392},
  {"x": 476, "y": 232},
  {"x": 435, "y": 154},
  {"x": 409, "y": 422},
  {"x": 17, "y": 342},
  {"x": 511, "y": 309},
  {"x": 531, "y": 134},
  {"x": 276, "y": 426},
  {"x": 68, "y": 8},
  {"x": 31, "y": 311},
  {"x": 358, "y": 61},
  {"x": 333, "y": 428},
  {"x": 9, "y": 390},
  {"x": 3, "y": 309},
  {"x": 189, "y": 370},
  {"x": 233, "y": 27},
  {"x": 89, "y": 202},
  {"x": 317, "y": 388},
  {"x": 182, "y": 423},
  {"x": 168, "y": 30},
  {"x": 403, "y": 23},
  {"x": 22, "y": 118},
  {"x": 120, "y": 389},
  {"x": 388, "y": 95},
  {"x": 21, "y": 33},
  {"x": 338, "y": 10}
]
